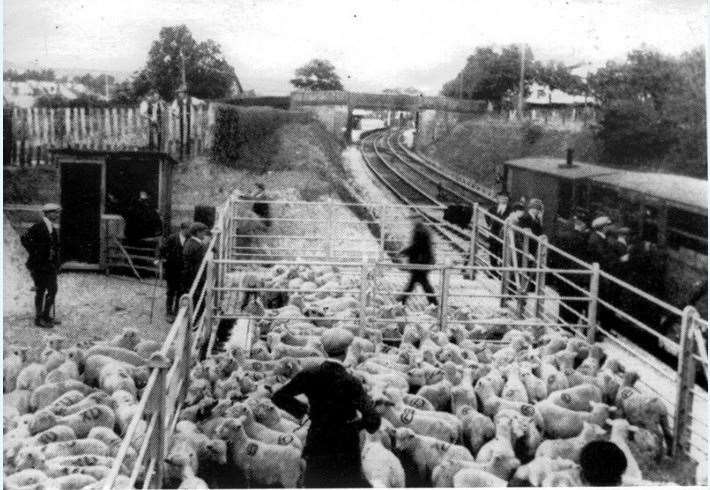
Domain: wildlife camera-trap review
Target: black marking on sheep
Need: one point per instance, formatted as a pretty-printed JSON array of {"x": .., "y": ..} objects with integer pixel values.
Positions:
[
  {"x": 551, "y": 379},
  {"x": 417, "y": 403},
  {"x": 566, "y": 398},
  {"x": 407, "y": 416},
  {"x": 625, "y": 393},
  {"x": 285, "y": 440},
  {"x": 527, "y": 410},
  {"x": 251, "y": 449}
]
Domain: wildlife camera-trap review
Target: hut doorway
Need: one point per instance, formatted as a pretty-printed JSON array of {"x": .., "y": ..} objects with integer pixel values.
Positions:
[
  {"x": 81, "y": 201},
  {"x": 126, "y": 176}
]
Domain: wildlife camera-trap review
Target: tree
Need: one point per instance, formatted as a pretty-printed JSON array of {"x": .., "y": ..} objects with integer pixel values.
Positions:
[
  {"x": 317, "y": 75},
  {"x": 97, "y": 84},
  {"x": 207, "y": 73},
  {"x": 40, "y": 75},
  {"x": 558, "y": 76},
  {"x": 653, "y": 110},
  {"x": 491, "y": 76}
]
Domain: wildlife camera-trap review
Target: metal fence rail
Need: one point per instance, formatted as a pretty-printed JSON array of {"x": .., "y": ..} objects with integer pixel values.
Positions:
[{"x": 480, "y": 286}]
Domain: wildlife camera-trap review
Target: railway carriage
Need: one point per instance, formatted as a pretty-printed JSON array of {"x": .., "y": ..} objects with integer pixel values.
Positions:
[{"x": 667, "y": 210}]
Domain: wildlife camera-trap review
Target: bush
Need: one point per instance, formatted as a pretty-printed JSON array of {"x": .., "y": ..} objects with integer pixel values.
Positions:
[{"x": 237, "y": 128}]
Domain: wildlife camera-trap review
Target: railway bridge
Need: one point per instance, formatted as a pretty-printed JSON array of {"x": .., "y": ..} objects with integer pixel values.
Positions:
[{"x": 335, "y": 107}]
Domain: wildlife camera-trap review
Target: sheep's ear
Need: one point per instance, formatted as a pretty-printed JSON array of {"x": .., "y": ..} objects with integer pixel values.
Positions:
[
  {"x": 609, "y": 422},
  {"x": 633, "y": 428},
  {"x": 612, "y": 409}
]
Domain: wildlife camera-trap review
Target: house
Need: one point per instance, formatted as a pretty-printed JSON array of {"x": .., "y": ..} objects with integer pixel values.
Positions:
[{"x": 24, "y": 94}]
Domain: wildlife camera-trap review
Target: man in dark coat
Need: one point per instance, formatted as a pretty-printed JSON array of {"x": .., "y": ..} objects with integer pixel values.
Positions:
[
  {"x": 339, "y": 408},
  {"x": 532, "y": 221},
  {"x": 500, "y": 210},
  {"x": 572, "y": 239},
  {"x": 171, "y": 253},
  {"x": 192, "y": 254},
  {"x": 420, "y": 251},
  {"x": 142, "y": 220},
  {"x": 42, "y": 244},
  {"x": 600, "y": 249}
]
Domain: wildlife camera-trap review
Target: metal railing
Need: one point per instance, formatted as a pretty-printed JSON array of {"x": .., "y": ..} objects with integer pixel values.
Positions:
[{"x": 479, "y": 288}]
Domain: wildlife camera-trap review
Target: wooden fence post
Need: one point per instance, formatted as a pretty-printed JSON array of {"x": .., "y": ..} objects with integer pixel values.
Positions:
[
  {"x": 505, "y": 261},
  {"x": 445, "y": 283},
  {"x": 593, "y": 303},
  {"x": 186, "y": 302},
  {"x": 541, "y": 275},
  {"x": 361, "y": 300},
  {"x": 473, "y": 247},
  {"x": 157, "y": 405},
  {"x": 682, "y": 419}
]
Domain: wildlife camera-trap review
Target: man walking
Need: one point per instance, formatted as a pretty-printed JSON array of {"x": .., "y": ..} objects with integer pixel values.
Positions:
[
  {"x": 42, "y": 244},
  {"x": 171, "y": 254},
  {"x": 421, "y": 252}
]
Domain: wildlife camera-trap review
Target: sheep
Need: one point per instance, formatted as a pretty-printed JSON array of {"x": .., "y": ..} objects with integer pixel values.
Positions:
[
  {"x": 502, "y": 443},
  {"x": 128, "y": 339},
  {"x": 646, "y": 411},
  {"x": 553, "y": 378},
  {"x": 620, "y": 429},
  {"x": 571, "y": 447},
  {"x": 125, "y": 408},
  {"x": 562, "y": 423},
  {"x": 46, "y": 393},
  {"x": 13, "y": 363},
  {"x": 90, "y": 400},
  {"x": 26, "y": 479},
  {"x": 500, "y": 466},
  {"x": 380, "y": 466},
  {"x": 81, "y": 422},
  {"x": 540, "y": 468},
  {"x": 262, "y": 463},
  {"x": 422, "y": 422},
  {"x": 418, "y": 402},
  {"x": 117, "y": 354},
  {"x": 69, "y": 369},
  {"x": 256, "y": 430},
  {"x": 536, "y": 388},
  {"x": 145, "y": 348},
  {"x": 514, "y": 389},
  {"x": 473, "y": 478},
  {"x": 266, "y": 413},
  {"x": 17, "y": 399},
  {"x": 427, "y": 452},
  {"x": 577, "y": 397},
  {"x": 187, "y": 478},
  {"x": 477, "y": 428},
  {"x": 114, "y": 377},
  {"x": 31, "y": 376}
]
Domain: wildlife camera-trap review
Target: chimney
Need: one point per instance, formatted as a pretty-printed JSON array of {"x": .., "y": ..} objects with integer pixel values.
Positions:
[{"x": 570, "y": 156}]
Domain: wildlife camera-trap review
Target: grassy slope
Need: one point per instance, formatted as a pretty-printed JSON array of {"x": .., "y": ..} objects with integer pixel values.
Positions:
[{"x": 475, "y": 148}]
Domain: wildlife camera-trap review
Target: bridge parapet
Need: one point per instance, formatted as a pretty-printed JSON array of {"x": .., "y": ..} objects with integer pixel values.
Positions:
[{"x": 400, "y": 102}]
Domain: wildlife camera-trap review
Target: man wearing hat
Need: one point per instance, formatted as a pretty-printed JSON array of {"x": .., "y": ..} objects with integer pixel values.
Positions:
[
  {"x": 171, "y": 253},
  {"x": 339, "y": 408},
  {"x": 42, "y": 244},
  {"x": 598, "y": 247},
  {"x": 192, "y": 254},
  {"x": 532, "y": 221},
  {"x": 420, "y": 251},
  {"x": 500, "y": 210}
]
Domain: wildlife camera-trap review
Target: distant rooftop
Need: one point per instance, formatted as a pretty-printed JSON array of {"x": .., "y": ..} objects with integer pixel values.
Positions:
[{"x": 542, "y": 95}]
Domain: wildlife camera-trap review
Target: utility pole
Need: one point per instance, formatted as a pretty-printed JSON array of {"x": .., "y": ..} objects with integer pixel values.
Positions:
[{"x": 521, "y": 87}]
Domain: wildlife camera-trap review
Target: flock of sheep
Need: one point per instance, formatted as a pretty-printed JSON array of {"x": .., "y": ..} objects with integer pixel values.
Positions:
[{"x": 457, "y": 411}]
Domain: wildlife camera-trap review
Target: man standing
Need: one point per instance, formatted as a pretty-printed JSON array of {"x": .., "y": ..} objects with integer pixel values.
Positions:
[
  {"x": 142, "y": 221},
  {"x": 532, "y": 221},
  {"x": 42, "y": 244},
  {"x": 500, "y": 210},
  {"x": 261, "y": 207},
  {"x": 339, "y": 408},
  {"x": 171, "y": 254},
  {"x": 192, "y": 254},
  {"x": 421, "y": 252}
]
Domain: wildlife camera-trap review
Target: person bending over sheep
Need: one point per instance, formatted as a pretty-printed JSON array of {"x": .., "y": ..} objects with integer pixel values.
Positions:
[{"x": 339, "y": 408}]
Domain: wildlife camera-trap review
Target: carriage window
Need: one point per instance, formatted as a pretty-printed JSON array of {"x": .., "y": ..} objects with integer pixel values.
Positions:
[{"x": 687, "y": 230}]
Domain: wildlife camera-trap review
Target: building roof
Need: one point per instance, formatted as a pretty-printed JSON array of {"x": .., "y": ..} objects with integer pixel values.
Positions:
[
  {"x": 679, "y": 189},
  {"x": 558, "y": 167},
  {"x": 113, "y": 153},
  {"x": 542, "y": 95}
]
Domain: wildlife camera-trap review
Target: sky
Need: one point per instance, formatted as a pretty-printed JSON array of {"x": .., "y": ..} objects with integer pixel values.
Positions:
[{"x": 374, "y": 44}]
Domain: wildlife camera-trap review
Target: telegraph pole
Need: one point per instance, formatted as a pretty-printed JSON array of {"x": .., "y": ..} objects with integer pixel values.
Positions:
[{"x": 521, "y": 88}]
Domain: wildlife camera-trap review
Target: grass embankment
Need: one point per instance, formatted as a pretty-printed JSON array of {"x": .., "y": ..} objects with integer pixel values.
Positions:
[{"x": 477, "y": 147}]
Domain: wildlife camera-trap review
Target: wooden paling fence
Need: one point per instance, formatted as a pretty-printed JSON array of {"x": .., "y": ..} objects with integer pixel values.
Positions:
[{"x": 180, "y": 129}]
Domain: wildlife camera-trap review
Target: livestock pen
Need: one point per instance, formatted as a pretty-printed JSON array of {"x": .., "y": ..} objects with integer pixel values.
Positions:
[{"x": 529, "y": 286}]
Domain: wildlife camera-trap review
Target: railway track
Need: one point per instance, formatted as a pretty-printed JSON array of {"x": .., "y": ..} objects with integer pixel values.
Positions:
[{"x": 410, "y": 184}]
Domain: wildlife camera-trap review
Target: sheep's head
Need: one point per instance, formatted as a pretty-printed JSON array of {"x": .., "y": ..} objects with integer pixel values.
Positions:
[
  {"x": 20, "y": 351},
  {"x": 130, "y": 337},
  {"x": 216, "y": 450},
  {"x": 29, "y": 458},
  {"x": 55, "y": 342},
  {"x": 229, "y": 428},
  {"x": 630, "y": 378},
  {"x": 601, "y": 410},
  {"x": 266, "y": 411},
  {"x": 181, "y": 458},
  {"x": 505, "y": 464},
  {"x": 404, "y": 439},
  {"x": 621, "y": 426},
  {"x": 140, "y": 376},
  {"x": 592, "y": 431}
]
